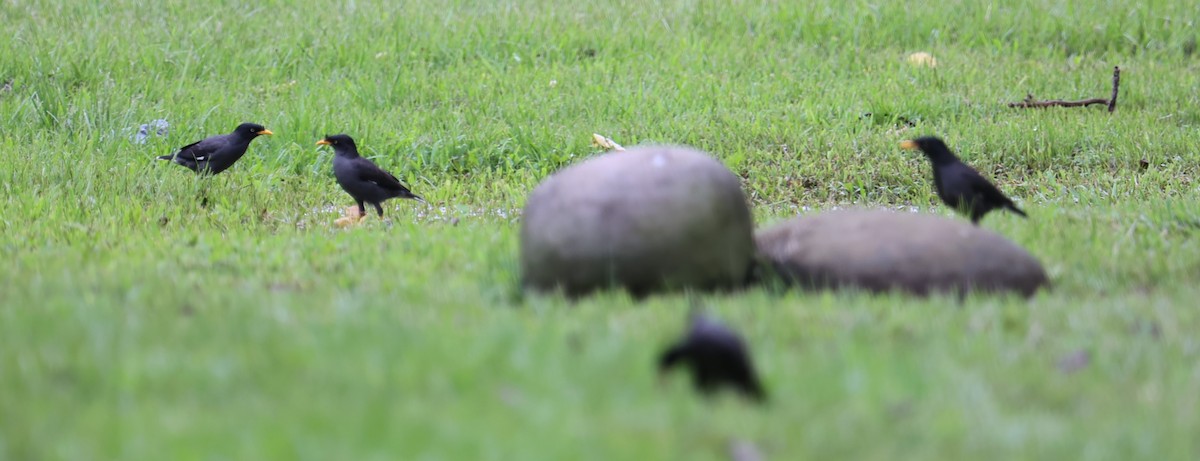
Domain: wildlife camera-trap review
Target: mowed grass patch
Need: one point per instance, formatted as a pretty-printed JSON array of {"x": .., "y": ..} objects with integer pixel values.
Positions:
[{"x": 150, "y": 314}]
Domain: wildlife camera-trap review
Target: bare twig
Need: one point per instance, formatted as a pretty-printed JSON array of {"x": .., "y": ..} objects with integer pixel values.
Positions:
[
  {"x": 1029, "y": 102},
  {"x": 1112, "y": 102}
]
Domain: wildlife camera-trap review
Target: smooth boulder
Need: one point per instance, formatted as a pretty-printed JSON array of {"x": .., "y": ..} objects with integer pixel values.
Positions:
[
  {"x": 878, "y": 250},
  {"x": 647, "y": 219}
]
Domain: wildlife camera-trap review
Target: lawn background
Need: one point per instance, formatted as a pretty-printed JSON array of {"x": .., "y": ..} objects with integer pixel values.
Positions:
[{"x": 137, "y": 324}]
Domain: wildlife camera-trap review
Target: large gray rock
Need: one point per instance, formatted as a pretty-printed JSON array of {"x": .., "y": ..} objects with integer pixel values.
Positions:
[
  {"x": 879, "y": 250},
  {"x": 647, "y": 219}
]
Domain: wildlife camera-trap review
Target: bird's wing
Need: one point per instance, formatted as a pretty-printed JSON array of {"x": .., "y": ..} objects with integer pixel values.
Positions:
[
  {"x": 368, "y": 171},
  {"x": 988, "y": 190},
  {"x": 198, "y": 151}
]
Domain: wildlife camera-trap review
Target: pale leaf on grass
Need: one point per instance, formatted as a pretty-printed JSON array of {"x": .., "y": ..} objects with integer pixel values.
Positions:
[
  {"x": 351, "y": 217},
  {"x": 606, "y": 143},
  {"x": 922, "y": 59}
]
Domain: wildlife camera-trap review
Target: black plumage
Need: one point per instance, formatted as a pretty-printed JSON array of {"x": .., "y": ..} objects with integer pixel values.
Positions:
[
  {"x": 958, "y": 185},
  {"x": 215, "y": 154},
  {"x": 361, "y": 178},
  {"x": 716, "y": 357}
]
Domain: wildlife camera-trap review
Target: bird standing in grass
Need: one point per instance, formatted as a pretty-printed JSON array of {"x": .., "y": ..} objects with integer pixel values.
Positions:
[
  {"x": 215, "y": 154},
  {"x": 361, "y": 178},
  {"x": 716, "y": 357},
  {"x": 958, "y": 185}
]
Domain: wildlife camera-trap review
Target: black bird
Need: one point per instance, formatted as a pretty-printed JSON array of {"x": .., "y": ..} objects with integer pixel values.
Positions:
[
  {"x": 958, "y": 185},
  {"x": 215, "y": 154},
  {"x": 361, "y": 178},
  {"x": 716, "y": 357}
]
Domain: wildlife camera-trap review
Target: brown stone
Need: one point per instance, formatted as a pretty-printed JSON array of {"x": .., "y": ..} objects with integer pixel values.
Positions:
[
  {"x": 647, "y": 219},
  {"x": 879, "y": 250}
]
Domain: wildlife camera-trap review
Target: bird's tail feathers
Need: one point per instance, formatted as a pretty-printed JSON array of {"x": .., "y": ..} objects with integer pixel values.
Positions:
[
  {"x": 166, "y": 157},
  {"x": 757, "y": 392},
  {"x": 1016, "y": 210}
]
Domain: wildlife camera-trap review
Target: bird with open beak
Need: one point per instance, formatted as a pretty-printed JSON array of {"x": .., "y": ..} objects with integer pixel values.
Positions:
[{"x": 215, "y": 154}]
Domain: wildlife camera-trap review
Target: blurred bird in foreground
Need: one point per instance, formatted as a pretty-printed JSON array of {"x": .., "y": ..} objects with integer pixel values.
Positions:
[{"x": 716, "y": 356}]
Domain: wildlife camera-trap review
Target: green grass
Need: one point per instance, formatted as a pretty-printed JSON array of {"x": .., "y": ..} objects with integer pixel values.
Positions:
[{"x": 137, "y": 324}]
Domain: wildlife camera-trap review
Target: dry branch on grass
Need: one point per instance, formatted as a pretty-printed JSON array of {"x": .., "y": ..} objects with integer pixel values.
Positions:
[{"x": 1111, "y": 102}]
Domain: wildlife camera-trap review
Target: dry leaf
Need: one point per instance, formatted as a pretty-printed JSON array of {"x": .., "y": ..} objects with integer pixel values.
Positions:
[
  {"x": 352, "y": 216},
  {"x": 922, "y": 59},
  {"x": 605, "y": 143}
]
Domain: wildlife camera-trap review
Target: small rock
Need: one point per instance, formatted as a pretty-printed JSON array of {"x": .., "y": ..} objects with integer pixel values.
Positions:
[
  {"x": 160, "y": 127},
  {"x": 647, "y": 219},
  {"x": 742, "y": 450},
  {"x": 1075, "y": 361},
  {"x": 878, "y": 250}
]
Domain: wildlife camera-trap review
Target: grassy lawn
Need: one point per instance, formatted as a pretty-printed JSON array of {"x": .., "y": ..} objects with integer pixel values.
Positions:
[{"x": 136, "y": 323}]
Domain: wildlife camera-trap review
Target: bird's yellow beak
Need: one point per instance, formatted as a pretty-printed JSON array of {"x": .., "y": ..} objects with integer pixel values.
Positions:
[
  {"x": 909, "y": 144},
  {"x": 323, "y": 143},
  {"x": 266, "y": 132}
]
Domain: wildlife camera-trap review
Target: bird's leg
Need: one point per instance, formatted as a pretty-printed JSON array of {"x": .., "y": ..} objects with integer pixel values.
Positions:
[
  {"x": 977, "y": 214},
  {"x": 378, "y": 209},
  {"x": 362, "y": 210}
]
